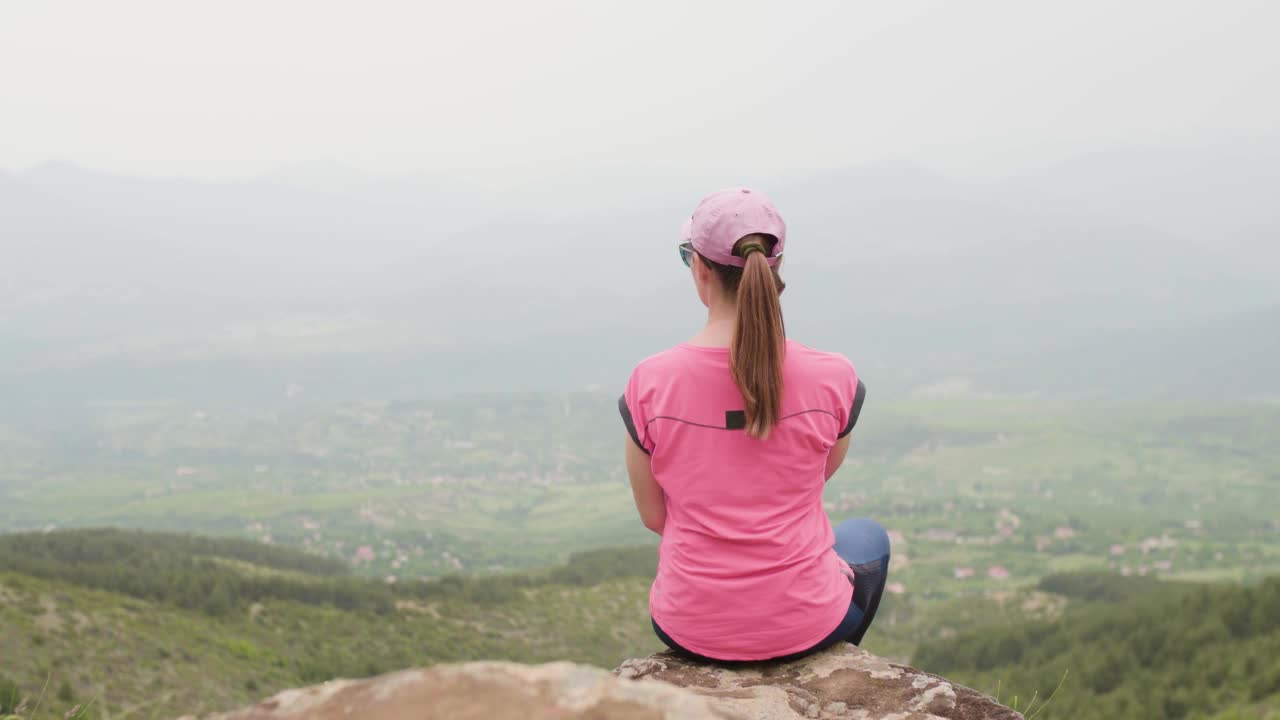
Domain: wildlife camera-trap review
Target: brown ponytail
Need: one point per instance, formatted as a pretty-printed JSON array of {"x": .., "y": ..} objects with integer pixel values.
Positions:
[{"x": 759, "y": 341}]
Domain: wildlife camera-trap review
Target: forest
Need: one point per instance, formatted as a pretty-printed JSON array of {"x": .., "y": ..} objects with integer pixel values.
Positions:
[
  {"x": 219, "y": 576},
  {"x": 1135, "y": 648},
  {"x": 241, "y": 619}
]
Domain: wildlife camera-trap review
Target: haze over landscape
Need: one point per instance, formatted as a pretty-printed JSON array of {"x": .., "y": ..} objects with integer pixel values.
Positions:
[
  {"x": 359, "y": 287},
  {"x": 921, "y": 276}
]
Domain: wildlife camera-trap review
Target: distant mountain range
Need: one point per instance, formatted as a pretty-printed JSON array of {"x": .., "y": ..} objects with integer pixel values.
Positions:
[
  {"x": 1222, "y": 358},
  {"x": 1144, "y": 266}
]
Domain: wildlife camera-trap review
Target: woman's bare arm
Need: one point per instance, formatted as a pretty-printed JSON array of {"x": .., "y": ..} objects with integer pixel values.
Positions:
[
  {"x": 835, "y": 456},
  {"x": 650, "y": 500}
]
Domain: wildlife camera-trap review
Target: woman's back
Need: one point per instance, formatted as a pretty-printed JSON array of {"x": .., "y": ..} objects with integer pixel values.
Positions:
[
  {"x": 731, "y": 439},
  {"x": 747, "y": 569}
]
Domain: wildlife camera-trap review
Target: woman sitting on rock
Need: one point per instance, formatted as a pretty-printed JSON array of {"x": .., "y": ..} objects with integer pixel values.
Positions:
[{"x": 731, "y": 439}]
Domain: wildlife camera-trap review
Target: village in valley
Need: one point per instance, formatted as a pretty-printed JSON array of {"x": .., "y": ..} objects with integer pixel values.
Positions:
[{"x": 486, "y": 484}]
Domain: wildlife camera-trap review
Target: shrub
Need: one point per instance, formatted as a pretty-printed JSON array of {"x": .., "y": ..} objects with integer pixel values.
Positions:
[{"x": 9, "y": 696}]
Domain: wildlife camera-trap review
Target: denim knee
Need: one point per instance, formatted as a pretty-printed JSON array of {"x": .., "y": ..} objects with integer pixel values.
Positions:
[{"x": 861, "y": 540}]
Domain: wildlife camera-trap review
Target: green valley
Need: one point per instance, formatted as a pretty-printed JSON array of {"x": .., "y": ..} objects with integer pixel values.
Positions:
[
  {"x": 133, "y": 654},
  {"x": 360, "y": 538},
  {"x": 981, "y": 493}
]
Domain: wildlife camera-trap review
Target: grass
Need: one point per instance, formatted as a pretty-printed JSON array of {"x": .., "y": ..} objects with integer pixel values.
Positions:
[
  {"x": 1026, "y": 710},
  {"x": 17, "y": 707}
]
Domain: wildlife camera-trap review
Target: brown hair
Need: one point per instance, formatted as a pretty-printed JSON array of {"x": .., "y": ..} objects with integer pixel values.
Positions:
[{"x": 759, "y": 341}]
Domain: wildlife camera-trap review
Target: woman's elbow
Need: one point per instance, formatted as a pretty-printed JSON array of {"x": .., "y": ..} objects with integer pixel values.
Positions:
[{"x": 656, "y": 524}]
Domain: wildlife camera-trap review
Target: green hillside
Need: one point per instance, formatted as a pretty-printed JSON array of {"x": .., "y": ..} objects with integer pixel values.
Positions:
[
  {"x": 1131, "y": 649},
  {"x": 109, "y": 613},
  {"x": 106, "y": 616},
  {"x": 94, "y": 631}
]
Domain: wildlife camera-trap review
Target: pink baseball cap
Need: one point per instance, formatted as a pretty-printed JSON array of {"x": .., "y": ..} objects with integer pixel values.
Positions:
[{"x": 726, "y": 216}]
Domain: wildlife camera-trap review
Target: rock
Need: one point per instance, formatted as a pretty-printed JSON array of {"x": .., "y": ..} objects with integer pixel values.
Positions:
[
  {"x": 485, "y": 691},
  {"x": 841, "y": 682}
]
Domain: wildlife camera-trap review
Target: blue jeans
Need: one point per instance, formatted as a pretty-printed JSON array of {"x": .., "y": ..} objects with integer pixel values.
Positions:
[{"x": 863, "y": 544}]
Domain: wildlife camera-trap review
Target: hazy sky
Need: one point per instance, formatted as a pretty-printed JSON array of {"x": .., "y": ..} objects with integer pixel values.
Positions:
[{"x": 510, "y": 91}]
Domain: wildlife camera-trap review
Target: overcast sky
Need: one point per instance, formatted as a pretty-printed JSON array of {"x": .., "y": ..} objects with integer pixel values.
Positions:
[{"x": 500, "y": 92}]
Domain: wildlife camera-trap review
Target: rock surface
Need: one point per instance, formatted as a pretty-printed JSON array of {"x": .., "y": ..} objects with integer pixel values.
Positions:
[
  {"x": 843, "y": 682},
  {"x": 484, "y": 691}
]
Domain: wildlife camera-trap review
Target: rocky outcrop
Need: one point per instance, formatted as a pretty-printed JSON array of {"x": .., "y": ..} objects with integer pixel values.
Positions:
[
  {"x": 840, "y": 683},
  {"x": 485, "y": 691}
]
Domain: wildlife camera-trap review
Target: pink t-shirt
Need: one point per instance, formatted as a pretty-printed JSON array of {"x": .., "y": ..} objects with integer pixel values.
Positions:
[{"x": 746, "y": 569}]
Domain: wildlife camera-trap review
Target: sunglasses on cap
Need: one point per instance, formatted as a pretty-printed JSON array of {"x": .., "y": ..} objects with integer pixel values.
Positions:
[{"x": 686, "y": 254}]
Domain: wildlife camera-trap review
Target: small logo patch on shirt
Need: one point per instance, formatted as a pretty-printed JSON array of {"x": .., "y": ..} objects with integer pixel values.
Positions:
[{"x": 735, "y": 419}]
